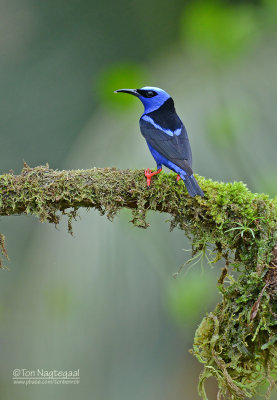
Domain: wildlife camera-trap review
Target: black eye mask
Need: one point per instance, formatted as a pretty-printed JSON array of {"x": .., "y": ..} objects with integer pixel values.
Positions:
[{"x": 147, "y": 93}]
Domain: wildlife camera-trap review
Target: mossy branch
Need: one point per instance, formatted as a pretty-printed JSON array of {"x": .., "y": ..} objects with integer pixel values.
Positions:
[{"x": 237, "y": 343}]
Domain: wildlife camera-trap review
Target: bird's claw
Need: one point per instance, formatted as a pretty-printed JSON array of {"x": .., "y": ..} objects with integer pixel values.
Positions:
[{"x": 148, "y": 173}]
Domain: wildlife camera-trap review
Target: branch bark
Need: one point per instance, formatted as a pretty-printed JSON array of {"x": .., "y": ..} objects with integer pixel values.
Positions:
[{"x": 238, "y": 225}]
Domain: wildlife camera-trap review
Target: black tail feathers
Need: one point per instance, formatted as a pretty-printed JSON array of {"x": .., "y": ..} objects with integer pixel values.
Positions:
[{"x": 193, "y": 187}]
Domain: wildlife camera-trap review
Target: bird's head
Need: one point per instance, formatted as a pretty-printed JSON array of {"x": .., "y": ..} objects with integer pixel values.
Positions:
[{"x": 151, "y": 97}]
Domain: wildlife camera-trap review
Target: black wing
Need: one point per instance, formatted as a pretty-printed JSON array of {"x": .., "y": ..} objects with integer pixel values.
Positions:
[{"x": 174, "y": 148}]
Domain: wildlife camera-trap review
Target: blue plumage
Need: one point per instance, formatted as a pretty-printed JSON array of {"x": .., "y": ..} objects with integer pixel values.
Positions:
[{"x": 166, "y": 136}]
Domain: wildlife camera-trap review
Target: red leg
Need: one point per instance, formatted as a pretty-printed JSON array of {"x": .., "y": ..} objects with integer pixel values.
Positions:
[
  {"x": 178, "y": 177},
  {"x": 149, "y": 175}
]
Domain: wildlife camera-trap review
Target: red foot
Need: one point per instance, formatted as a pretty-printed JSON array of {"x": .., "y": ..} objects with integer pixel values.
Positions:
[
  {"x": 149, "y": 175},
  {"x": 178, "y": 178}
]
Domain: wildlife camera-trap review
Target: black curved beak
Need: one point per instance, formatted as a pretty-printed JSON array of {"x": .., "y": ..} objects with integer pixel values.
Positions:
[{"x": 130, "y": 91}]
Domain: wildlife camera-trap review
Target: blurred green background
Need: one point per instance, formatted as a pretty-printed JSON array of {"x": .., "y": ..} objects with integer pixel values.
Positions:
[{"x": 106, "y": 301}]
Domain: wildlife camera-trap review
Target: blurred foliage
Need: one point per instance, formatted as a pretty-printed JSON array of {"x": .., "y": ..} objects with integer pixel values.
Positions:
[
  {"x": 223, "y": 124},
  {"x": 190, "y": 296},
  {"x": 220, "y": 129},
  {"x": 59, "y": 301},
  {"x": 119, "y": 76},
  {"x": 271, "y": 11},
  {"x": 268, "y": 180},
  {"x": 221, "y": 30}
]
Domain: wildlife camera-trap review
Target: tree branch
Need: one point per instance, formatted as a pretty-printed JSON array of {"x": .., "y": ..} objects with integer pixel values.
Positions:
[{"x": 238, "y": 341}]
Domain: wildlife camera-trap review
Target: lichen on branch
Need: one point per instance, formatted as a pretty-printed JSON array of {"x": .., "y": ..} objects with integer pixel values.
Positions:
[{"x": 237, "y": 342}]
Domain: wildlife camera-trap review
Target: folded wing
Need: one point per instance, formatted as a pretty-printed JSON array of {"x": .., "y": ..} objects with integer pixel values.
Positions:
[{"x": 175, "y": 148}]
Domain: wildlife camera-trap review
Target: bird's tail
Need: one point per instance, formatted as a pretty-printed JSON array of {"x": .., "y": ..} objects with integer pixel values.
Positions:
[{"x": 192, "y": 186}]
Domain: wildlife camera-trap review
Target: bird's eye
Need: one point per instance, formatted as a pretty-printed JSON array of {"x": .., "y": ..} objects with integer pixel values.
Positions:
[
  {"x": 150, "y": 93},
  {"x": 147, "y": 93}
]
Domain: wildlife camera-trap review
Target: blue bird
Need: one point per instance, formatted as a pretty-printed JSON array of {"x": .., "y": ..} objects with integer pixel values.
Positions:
[{"x": 165, "y": 135}]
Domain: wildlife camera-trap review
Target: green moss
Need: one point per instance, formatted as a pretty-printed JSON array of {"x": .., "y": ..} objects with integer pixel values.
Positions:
[{"x": 237, "y": 342}]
